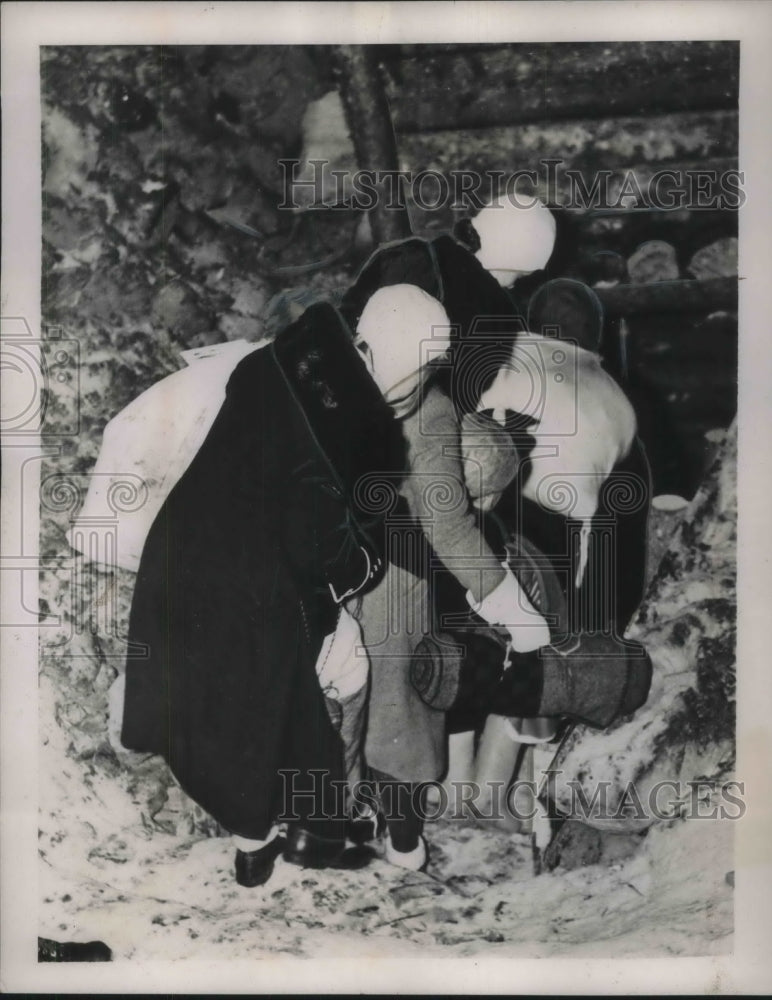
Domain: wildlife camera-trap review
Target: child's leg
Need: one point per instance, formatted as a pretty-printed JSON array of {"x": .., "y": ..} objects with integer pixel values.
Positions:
[
  {"x": 460, "y": 769},
  {"x": 403, "y": 808},
  {"x": 495, "y": 764}
]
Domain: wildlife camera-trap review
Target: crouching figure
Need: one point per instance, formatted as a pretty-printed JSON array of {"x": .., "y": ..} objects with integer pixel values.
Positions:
[{"x": 243, "y": 581}]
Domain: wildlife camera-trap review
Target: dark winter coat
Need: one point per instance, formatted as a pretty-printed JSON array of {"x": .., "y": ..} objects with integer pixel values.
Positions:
[{"x": 237, "y": 578}]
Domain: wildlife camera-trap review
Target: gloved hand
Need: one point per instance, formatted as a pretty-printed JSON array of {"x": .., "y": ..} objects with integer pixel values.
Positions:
[{"x": 508, "y": 605}]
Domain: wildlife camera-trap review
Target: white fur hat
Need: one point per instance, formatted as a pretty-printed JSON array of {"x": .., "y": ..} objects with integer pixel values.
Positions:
[
  {"x": 514, "y": 238},
  {"x": 397, "y": 323}
]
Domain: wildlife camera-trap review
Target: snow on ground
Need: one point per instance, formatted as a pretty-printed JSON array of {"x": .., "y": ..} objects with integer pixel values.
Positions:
[
  {"x": 128, "y": 859},
  {"x": 108, "y": 875}
]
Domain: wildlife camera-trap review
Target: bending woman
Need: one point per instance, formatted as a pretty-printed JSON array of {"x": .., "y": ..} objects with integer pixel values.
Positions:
[{"x": 243, "y": 574}]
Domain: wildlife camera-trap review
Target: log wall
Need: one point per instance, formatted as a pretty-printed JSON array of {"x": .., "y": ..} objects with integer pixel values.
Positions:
[{"x": 622, "y": 109}]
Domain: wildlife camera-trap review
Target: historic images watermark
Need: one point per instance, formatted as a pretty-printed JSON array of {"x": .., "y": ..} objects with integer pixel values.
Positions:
[
  {"x": 97, "y": 531},
  {"x": 319, "y": 184},
  {"x": 496, "y": 801}
]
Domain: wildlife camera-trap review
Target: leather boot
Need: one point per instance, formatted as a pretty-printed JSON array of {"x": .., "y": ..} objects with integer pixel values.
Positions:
[
  {"x": 254, "y": 868},
  {"x": 309, "y": 850}
]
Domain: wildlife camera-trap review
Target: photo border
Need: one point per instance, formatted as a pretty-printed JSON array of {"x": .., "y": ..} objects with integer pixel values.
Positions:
[{"x": 25, "y": 26}]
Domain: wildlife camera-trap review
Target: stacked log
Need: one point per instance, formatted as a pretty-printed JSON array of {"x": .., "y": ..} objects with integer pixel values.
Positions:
[{"x": 503, "y": 85}]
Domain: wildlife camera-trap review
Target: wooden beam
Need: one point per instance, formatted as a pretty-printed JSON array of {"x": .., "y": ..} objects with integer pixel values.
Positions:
[
  {"x": 670, "y": 296},
  {"x": 562, "y": 81},
  {"x": 584, "y": 144}
]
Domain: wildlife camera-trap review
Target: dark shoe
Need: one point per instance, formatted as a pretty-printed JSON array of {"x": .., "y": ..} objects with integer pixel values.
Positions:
[
  {"x": 595, "y": 681},
  {"x": 73, "y": 951},
  {"x": 365, "y": 826},
  {"x": 256, "y": 867},
  {"x": 309, "y": 850}
]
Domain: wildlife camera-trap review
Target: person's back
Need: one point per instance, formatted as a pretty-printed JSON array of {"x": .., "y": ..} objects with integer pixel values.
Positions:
[
  {"x": 586, "y": 466},
  {"x": 237, "y": 588}
]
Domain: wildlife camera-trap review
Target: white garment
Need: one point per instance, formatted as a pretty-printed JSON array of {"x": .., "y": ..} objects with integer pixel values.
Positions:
[
  {"x": 150, "y": 444},
  {"x": 582, "y": 422},
  {"x": 537, "y": 730},
  {"x": 403, "y": 328},
  {"x": 248, "y": 845},
  {"x": 343, "y": 664}
]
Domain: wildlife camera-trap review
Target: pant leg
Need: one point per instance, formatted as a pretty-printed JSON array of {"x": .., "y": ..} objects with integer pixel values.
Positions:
[
  {"x": 403, "y": 808},
  {"x": 349, "y": 716},
  {"x": 342, "y": 668},
  {"x": 405, "y": 737}
]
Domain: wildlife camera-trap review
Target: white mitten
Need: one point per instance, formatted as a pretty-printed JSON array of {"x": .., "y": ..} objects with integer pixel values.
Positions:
[{"x": 508, "y": 605}]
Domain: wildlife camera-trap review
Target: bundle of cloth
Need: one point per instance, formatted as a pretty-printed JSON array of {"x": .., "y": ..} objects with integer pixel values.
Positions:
[{"x": 151, "y": 442}]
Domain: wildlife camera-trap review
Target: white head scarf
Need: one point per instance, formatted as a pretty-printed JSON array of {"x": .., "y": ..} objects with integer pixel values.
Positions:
[
  {"x": 403, "y": 328},
  {"x": 515, "y": 239}
]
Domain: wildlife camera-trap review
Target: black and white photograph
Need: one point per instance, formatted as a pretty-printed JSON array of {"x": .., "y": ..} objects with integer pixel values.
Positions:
[{"x": 373, "y": 377}]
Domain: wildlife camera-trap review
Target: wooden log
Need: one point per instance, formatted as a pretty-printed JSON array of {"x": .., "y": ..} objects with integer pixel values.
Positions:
[
  {"x": 670, "y": 296},
  {"x": 623, "y": 231},
  {"x": 556, "y": 82},
  {"x": 586, "y": 144},
  {"x": 369, "y": 121},
  {"x": 685, "y": 732}
]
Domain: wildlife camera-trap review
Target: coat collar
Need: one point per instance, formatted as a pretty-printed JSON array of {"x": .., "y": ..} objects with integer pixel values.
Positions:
[{"x": 351, "y": 423}]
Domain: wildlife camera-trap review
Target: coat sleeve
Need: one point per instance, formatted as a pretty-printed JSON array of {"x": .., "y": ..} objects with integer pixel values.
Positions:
[{"x": 438, "y": 498}]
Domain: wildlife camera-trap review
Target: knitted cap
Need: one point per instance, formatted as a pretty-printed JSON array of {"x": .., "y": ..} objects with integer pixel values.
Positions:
[
  {"x": 514, "y": 238},
  {"x": 570, "y": 307}
]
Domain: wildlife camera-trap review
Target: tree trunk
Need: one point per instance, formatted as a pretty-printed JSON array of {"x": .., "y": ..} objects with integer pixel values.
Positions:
[{"x": 369, "y": 122}]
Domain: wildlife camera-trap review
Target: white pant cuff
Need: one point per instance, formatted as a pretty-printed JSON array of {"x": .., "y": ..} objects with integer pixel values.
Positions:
[
  {"x": 248, "y": 845},
  {"x": 412, "y": 860}
]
